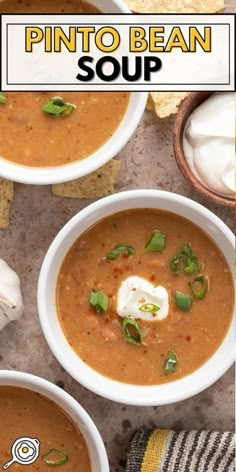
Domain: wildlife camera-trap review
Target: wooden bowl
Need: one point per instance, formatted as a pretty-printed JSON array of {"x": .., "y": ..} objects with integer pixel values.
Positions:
[{"x": 186, "y": 108}]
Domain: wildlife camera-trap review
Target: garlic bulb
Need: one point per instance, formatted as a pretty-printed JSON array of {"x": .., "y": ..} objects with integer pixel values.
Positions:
[{"x": 11, "y": 303}]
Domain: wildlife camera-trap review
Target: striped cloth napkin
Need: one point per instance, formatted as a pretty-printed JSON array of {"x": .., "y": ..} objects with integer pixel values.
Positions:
[{"x": 169, "y": 451}]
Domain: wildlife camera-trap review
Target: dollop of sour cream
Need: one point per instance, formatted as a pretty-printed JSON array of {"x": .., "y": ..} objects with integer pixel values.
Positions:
[
  {"x": 135, "y": 292},
  {"x": 209, "y": 143}
]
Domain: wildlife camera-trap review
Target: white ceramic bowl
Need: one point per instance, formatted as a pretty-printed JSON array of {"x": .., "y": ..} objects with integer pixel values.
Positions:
[
  {"x": 171, "y": 392},
  {"x": 97, "y": 452},
  {"x": 131, "y": 119}
]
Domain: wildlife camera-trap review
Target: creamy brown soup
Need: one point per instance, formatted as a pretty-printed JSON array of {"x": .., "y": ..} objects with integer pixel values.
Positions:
[
  {"x": 47, "y": 6},
  {"x": 171, "y": 348},
  {"x": 28, "y": 414},
  {"x": 31, "y": 137}
]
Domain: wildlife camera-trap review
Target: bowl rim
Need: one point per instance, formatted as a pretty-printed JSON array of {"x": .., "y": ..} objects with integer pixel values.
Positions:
[
  {"x": 56, "y": 394},
  {"x": 117, "y": 391},
  {"x": 179, "y": 125}
]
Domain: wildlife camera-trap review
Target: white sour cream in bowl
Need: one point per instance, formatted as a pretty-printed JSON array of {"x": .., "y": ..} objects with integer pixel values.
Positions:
[{"x": 209, "y": 143}]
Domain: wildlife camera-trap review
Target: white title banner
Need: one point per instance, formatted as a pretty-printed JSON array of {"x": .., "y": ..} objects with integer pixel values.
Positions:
[{"x": 117, "y": 52}]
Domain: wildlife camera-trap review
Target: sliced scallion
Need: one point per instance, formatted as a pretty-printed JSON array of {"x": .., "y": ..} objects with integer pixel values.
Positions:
[
  {"x": 177, "y": 264},
  {"x": 203, "y": 282},
  {"x": 132, "y": 331},
  {"x": 117, "y": 250},
  {"x": 187, "y": 250},
  {"x": 183, "y": 301},
  {"x": 192, "y": 265},
  {"x": 185, "y": 261},
  {"x": 157, "y": 242},
  {"x": 3, "y": 98},
  {"x": 99, "y": 301},
  {"x": 170, "y": 362},
  {"x": 54, "y": 458},
  {"x": 57, "y": 106},
  {"x": 149, "y": 308}
]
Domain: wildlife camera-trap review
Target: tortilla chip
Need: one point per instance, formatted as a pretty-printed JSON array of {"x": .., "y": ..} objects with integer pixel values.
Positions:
[
  {"x": 150, "y": 103},
  {"x": 166, "y": 103},
  {"x": 6, "y": 198},
  {"x": 96, "y": 185},
  {"x": 175, "y": 6}
]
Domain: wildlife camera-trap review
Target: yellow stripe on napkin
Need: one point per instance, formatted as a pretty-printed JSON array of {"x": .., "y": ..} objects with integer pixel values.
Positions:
[{"x": 155, "y": 449}]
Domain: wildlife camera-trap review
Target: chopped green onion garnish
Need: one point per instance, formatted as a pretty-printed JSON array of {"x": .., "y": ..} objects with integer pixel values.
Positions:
[
  {"x": 203, "y": 281},
  {"x": 132, "y": 331},
  {"x": 118, "y": 250},
  {"x": 149, "y": 308},
  {"x": 54, "y": 458},
  {"x": 57, "y": 106},
  {"x": 183, "y": 301},
  {"x": 187, "y": 250},
  {"x": 170, "y": 362},
  {"x": 99, "y": 301},
  {"x": 3, "y": 98},
  {"x": 192, "y": 265},
  {"x": 185, "y": 261},
  {"x": 177, "y": 265},
  {"x": 157, "y": 242}
]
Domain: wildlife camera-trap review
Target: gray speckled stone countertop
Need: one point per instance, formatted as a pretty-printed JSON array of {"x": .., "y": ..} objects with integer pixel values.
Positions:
[{"x": 36, "y": 217}]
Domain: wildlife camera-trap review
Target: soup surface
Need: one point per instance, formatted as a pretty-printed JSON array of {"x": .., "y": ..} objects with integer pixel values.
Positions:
[
  {"x": 31, "y": 137},
  {"x": 47, "y": 6},
  {"x": 170, "y": 348},
  {"x": 28, "y": 414}
]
